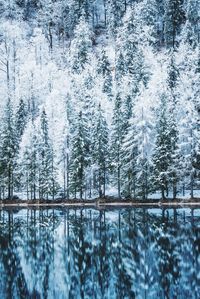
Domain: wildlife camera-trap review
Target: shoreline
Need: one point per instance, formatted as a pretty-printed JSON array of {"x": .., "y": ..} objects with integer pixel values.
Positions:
[{"x": 101, "y": 203}]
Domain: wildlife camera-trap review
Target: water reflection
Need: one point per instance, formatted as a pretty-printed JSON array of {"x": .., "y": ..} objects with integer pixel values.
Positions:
[{"x": 130, "y": 253}]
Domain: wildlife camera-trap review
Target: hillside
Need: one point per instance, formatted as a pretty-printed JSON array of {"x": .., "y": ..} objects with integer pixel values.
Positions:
[{"x": 99, "y": 98}]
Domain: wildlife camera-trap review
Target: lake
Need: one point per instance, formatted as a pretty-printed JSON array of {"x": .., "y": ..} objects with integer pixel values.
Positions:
[{"x": 87, "y": 253}]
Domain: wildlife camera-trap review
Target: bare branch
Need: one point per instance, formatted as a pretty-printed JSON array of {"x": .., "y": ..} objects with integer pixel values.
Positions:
[{"x": 3, "y": 70}]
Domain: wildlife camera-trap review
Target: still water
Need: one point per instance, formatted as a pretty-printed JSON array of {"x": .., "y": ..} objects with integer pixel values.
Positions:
[{"x": 127, "y": 253}]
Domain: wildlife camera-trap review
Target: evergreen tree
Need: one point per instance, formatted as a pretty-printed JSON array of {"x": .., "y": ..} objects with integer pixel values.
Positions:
[
  {"x": 188, "y": 116},
  {"x": 192, "y": 14},
  {"x": 28, "y": 162},
  {"x": 104, "y": 69},
  {"x": 81, "y": 46},
  {"x": 8, "y": 149},
  {"x": 128, "y": 157},
  {"x": 143, "y": 137},
  {"x": 161, "y": 155},
  {"x": 173, "y": 19},
  {"x": 101, "y": 150},
  {"x": 47, "y": 181},
  {"x": 175, "y": 164},
  {"x": 196, "y": 119},
  {"x": 175, "y": 160},
  {"x": 117, "y": 138},
  {"x": 120, "y": 70},
  {"x": 88, "y": 114},
  {"x": 79, "y": 156},
  {"x": 132, "y": 60},
  {"x": 189, "y": 145},
  {"x": 115, "y": 10},
  {"x": 65, "y": 157},
  {"x": 21, "y": 119},
  {"x": 148, "y": 21}
]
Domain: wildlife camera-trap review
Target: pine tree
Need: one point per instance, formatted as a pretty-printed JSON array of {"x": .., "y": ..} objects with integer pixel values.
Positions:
[
  {"x": 132, "y": 59},
  {"x": 175, "y": 160},
  {"x": 161, "y": 155},
  {"x": 192, "y": 14},
  {"x": 143, "y": 137},
  {"x": 174, "y": 17},
  {"x": 115, "y": 10},
  {"x": 117, "y": 139},
  {"x": 188, "y": 116},
  {"x": 101, "y": 150},
  {"x": 8, "y": 149},
  {"x": 147, "y": 14},
  {"x": 28, "y": 162},
  {"x": 81, "y": 46},
  {"x": 88, "y": 114},
  {"x": 65, "y": 156},
  {"x": 175, "y": 164},
  {"x": 120, "y": 70},
  {"x": 47, "y": 182},
  {"x": 128, "y": 158},
  {"x": 196, "y": 120},
  {"x": 104, "y": 69},
  {"x": 79, "y": 156},
  {"x": 20, "y": 119}
]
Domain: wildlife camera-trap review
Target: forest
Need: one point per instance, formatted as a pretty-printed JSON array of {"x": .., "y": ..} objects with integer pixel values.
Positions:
[{"x": 99, "y": 98}]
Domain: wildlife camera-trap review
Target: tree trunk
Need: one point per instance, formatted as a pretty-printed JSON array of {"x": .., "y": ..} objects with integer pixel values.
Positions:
[
  {"x": 192, "y": 185},
  {"x": 118, "y": 182},
  {"x": 163, "y": 192},
  {"x": 104, "y": 181},
  {"x": 64, "y": 174}
]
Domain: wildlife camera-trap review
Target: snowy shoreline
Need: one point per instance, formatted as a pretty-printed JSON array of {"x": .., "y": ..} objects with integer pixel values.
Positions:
[{"x": 98, "y": 204}]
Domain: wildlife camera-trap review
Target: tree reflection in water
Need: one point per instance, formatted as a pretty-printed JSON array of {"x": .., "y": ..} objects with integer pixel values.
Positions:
[{"x": 84, "y": 253}]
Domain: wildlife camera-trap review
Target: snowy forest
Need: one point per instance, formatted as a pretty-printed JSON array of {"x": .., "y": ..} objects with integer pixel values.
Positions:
[{"x": 99, "y": 97}]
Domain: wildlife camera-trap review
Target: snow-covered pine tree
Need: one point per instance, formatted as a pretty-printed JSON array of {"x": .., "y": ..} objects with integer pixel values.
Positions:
[
  {"x": 79, "y": 156},
  {"x": 47, "y": 172},
  {"x": 144, "y": 139},
  {"x": 175, "y": 159},
  {"x": 192, "y": 16},
  {"x": 64, "y": 160},
  {"x": 175, "y": 164},
  {"x": 88, "y": 114},
  {"x": 148, "y": 19},
  {"x": 131, "y": 74},
  {"x": 114, "y": 12},
  {"x": 104, "y": 69},
  {"x": 128, "y": 156},
  {"x": 8, "y": 149},
  {"x": 196, "y": 120},
  {"x": 28, "y": 162},
  {"x": 101, "y": 150},
  {"x": 81, "y": 46},
  {"x": 186, "y": 147},
  {"x": 119, "y": 65},
  {"x": 129, "y": 40},
  {"x": 117, "y": 139},
  {"x": 188, "y": 35},
  {"x": 188, "y": 115},
  {"x": 162, "y": 152},
  {"x": 130, "y": 61},
  {"x": 173, "y": 19},
  {"x": 20, "y": 119}
]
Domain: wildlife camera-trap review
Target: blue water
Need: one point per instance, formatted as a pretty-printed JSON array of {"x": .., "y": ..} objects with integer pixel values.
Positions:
[{"x": 127, "y": 253}]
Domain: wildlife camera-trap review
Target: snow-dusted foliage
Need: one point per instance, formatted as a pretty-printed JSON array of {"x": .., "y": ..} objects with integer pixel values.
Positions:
[{"x": 97, "y": 95}]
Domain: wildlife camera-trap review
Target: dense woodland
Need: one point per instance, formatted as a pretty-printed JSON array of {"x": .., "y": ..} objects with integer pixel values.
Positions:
[{"x": 97, "y": 95}]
